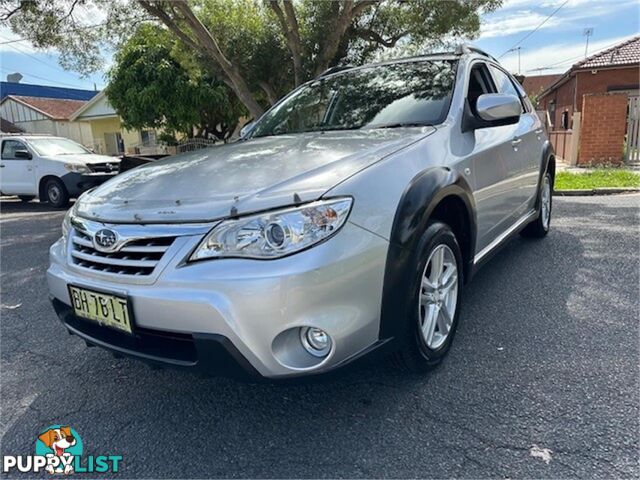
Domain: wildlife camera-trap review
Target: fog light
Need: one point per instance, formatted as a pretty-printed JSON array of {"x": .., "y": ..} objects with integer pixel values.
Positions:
[{"x": 315, "y": 341}]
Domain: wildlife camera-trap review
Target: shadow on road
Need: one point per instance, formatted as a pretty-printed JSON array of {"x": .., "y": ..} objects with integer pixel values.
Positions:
[{"x": 14, "y": 205}]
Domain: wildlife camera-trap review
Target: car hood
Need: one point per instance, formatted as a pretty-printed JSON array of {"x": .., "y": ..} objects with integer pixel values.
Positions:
[
  {"x": 245, "y": 176},
  {"x": 89, "y": 158}
]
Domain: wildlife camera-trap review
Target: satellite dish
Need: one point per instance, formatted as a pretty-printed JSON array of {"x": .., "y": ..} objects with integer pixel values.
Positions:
[{"x": 14, "y": 77}]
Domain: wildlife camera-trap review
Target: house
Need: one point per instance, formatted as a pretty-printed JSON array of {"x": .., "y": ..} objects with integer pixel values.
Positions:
[
  {"x": 46, "y": 115},
  {"x": 594, "y": 108},
  {"x": 108, "y": 134},
  {"x": 537, "y": 84},
  {"x": 613, "y": 70}
]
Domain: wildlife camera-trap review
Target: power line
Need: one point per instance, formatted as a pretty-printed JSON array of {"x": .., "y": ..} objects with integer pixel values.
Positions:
[
  {"x": 535, "y": 29},
  {"x": 562, "y": 62},
  {"x": 38, "y": 60},
  {"x": 87, "y": 27}
]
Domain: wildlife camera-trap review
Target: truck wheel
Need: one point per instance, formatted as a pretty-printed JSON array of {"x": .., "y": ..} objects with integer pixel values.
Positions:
[
  {"x": 540, "y": 226},
  {"x": 26, "y": 198},
  {"x": 433, "y": 301},
  {"x": 56, "y": 193}
]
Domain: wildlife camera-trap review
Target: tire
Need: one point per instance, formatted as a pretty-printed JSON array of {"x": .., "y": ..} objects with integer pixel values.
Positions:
[
  {"x": 56, "y": 193},
  {"x": 540, "y": 226},
  {"x": 26, "y": 198},
  {"x": 422, "y": 347}
]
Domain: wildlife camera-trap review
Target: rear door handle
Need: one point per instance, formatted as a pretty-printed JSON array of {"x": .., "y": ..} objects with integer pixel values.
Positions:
[
  {"x": 539, "y": 131},
  {"x": 1, "y": 166},
  {"x": 516, "y": 141}
]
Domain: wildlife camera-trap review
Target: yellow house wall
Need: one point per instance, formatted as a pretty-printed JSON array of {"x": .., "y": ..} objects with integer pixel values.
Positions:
[{"x": 112, "y": 125}]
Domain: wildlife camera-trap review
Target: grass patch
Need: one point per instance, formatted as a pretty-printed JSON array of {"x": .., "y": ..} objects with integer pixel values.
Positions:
[{"x": 596, "y": 179}]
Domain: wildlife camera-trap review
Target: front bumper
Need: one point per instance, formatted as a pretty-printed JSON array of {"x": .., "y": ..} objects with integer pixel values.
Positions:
[
  {"x": 77, "y": 183},
  {"x": 245, "y": 310}
]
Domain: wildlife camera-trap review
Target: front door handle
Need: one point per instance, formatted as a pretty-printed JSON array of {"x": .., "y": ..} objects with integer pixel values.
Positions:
[
  {"x": 516, "y": 141},
  {"x": 1, "y": 166},
  {"x": 539, "y": 131}
]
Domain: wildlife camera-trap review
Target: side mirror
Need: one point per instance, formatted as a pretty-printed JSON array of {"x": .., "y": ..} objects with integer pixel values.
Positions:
[
  {"x": 23, "y": 154},
  {"x": 492, "y": 110},
  {"x": 496, "y": 107},
  {"x": 246, "y": 130}
]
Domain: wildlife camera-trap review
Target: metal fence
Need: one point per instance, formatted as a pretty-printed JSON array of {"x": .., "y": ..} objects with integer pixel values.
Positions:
[
  {"x": 562, "y": 145},
  {"x": 192, "y": 144},
  {"x": 632, "y": 141}
]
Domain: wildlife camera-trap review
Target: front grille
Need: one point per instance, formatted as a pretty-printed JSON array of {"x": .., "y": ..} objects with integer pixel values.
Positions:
[
  {"x": 135, "y": 258},
  {"x": 104, "y": 167}
]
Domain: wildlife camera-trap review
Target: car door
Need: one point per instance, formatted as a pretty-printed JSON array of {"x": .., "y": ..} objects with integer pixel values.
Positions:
[
  {"x": 492, "y": 161},
  {"x": 526, "y": 142},
  {"x": 17, "y": 176}
]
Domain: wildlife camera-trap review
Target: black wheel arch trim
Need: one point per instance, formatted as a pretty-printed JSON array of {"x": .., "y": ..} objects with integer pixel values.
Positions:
[{"x": 417, "y": 204}]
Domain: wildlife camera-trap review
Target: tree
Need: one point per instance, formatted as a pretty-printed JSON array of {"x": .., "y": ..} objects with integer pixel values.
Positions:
[
  {"x": 297, "y": 40},
  {"x": 150, "y": 87}
]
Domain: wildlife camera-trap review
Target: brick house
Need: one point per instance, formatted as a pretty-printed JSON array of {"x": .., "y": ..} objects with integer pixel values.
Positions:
[
  {"x": 613, "y": 70},
  {"x": 589, "y": 107}
]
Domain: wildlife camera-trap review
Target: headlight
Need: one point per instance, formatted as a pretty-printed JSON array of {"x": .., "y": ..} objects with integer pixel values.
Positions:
[
  {"x": 66, "y": 224},
  {"x": 275, "y": 234},
  {"x": 77, "y": 167}
]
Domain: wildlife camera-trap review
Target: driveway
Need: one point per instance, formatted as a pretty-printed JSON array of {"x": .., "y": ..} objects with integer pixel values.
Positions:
[{"x": 542, "y": 379}]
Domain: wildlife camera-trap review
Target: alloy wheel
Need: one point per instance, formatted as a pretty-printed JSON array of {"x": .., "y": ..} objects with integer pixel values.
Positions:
[
  {"x": 438, "y": 296},
  {"x": 545, "y": 204}
]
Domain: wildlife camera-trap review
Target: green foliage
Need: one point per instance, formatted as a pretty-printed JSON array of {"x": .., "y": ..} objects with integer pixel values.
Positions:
[{"x": 151, "y": 88}]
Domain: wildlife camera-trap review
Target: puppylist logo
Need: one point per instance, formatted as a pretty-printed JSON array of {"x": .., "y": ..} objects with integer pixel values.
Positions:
[{"x": 59, "y": 451}]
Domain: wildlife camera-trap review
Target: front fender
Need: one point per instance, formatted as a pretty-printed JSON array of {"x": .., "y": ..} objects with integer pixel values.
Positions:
[{"x": 415, "y": 209}]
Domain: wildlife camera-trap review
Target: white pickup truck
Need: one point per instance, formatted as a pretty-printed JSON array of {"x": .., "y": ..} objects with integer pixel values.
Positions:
[{"x": 54, "y": 169}]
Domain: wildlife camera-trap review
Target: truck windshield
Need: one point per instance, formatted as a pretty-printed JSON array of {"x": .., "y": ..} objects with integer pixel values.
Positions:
[
  {"x": 57, "y": 146},
  {"x": 383, "y": 96}
]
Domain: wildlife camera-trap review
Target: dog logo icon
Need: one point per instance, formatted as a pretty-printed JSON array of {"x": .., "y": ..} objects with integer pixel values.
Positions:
[{"x": 62, "y": 442}]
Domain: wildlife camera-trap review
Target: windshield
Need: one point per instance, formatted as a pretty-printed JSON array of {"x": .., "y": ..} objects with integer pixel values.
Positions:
[
  {"x": 401, "y": 94},
  {"x": 57, "y": 146}
]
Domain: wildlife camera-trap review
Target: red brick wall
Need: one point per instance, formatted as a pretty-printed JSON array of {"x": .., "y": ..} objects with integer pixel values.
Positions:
[
  {"x": 604, "y": 122},
  {"x": 587, "y": 82}
]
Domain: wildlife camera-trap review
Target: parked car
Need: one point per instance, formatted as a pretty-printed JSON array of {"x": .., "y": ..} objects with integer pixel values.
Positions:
[
  {"x": 54, "y": 169},
  {"x": 347, "y": 220}
]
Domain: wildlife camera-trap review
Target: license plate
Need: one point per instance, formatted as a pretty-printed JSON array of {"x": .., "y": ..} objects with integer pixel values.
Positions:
[{"x": 108, "y": 310}]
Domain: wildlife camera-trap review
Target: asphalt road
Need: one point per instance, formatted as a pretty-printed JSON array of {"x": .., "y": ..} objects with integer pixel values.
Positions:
[{"x": 546, "y": 357}]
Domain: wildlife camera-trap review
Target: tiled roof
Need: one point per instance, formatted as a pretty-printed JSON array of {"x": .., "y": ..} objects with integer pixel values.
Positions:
[
  {"x": 29, "y": 90},
  {"x": 625, "y": 53},
  {"x": 535, "y": 85},
  {"x": 54, "y": 108}
]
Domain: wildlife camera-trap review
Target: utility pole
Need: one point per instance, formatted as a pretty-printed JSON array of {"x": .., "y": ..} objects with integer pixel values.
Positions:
[
  {"x": 587, "y": 32},
  {"x": 518, "y": 50}
]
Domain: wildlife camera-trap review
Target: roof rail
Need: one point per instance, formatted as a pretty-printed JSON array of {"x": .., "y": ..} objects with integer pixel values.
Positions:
[
  {"x": 464, "y": 48},
  {"x": 331, "y": 70}
]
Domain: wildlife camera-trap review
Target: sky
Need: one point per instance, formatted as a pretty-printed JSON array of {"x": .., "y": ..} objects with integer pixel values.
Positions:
[{"x": 552, "y": 48}]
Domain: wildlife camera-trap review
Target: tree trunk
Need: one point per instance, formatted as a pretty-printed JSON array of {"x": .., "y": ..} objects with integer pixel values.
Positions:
[
  {"x": 291, "y": 30},
  {"x": 205, "y": 39}
]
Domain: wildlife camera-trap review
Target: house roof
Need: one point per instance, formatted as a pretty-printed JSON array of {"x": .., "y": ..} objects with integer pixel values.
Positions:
[
  {"x": 87, "y": 107},
  {"x": 54, "y": 108},
  {"x": 535, "y": 85},
  {"x": 7, "y": 127},
  {"x": 625, "y": 53},
  {"x": 45, "y": 91}
]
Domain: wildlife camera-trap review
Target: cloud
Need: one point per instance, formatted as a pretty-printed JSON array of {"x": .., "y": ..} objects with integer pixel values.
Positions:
[
  {"x": 558, "y": 56},
  {"x": 514, "y": 23},
  {"x": 521, "y": 16}
]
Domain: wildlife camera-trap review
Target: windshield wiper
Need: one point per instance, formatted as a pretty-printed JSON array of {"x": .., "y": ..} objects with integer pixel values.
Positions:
[{"x": 400, "y": 125}]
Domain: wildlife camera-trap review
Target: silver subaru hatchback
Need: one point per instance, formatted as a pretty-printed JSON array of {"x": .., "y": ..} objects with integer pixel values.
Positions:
[{"x": 344, "y": 221}]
